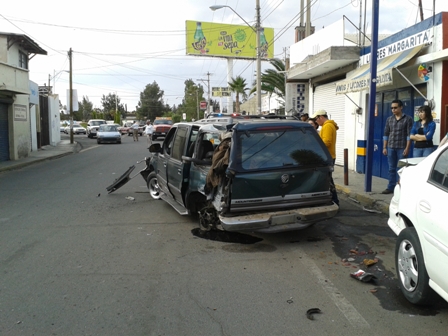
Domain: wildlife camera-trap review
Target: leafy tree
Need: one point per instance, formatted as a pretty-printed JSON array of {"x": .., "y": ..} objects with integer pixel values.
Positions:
[
  {"x": 239, "y": 86},
  {"x": 111, "y": 105},
  {"x": 193, "y": 94},
  {"x": 85, "y": 109},
  {"x": 151, "y": 104}
]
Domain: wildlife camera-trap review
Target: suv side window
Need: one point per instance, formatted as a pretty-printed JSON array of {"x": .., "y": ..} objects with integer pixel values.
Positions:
[
  {"x": 439, "y": 174},
  {"x": 168, "y": 143},
  {"x": 179, "y": 143}
]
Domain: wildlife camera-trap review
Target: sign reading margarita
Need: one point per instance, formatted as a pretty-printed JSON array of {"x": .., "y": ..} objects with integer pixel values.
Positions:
[{"x": 226, "y": 40}]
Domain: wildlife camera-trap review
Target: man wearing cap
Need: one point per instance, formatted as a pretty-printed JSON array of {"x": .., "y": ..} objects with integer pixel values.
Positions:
[{"x": 328, "y": 135}]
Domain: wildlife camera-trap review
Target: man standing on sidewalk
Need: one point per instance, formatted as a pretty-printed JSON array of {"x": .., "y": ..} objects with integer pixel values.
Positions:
[
  {"x": 148, "y": 131},
  {"x": 135, "y": 130},
  {"x": 328, "y": 136},
  {"x": 396, "y": 141}
]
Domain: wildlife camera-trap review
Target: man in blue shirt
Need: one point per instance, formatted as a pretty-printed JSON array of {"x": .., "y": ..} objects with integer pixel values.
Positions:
[{"x": 396, "y": 141}]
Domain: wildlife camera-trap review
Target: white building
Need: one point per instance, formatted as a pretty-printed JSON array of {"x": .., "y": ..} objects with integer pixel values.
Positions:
[
  {"x": 330, "y": 71},
  {"x": 18, "y": 128}
]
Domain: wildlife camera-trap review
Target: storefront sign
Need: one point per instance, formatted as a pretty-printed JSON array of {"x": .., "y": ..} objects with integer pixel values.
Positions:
[
  {"x": 20, "y": 112},
  {"x": 409, "y": 42},
  {"x": 363, "y": 83}
]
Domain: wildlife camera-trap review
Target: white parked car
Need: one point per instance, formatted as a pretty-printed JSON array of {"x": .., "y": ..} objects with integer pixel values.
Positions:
[
  {"x": 93, "y": 125},
  {"x": 417, "y": 216},
  {"x": 77, "y": 129}
]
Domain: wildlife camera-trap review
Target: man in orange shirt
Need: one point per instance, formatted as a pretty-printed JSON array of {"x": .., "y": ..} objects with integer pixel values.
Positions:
[{"x": 327, "y": 133}]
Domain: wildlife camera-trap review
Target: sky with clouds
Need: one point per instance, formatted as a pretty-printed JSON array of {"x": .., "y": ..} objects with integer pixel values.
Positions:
[{"x": 121, "y": 47}]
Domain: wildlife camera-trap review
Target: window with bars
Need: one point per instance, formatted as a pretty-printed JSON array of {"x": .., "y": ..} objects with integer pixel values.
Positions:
[{"x": 23, "y": 60}]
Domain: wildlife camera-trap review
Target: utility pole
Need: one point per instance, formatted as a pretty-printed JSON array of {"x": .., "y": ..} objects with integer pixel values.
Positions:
[
  {"x": 257, "y": 9},
  {"x": 208, "y": 90},
  {"x": 420, "y": 7},
  {"x": 372, "y": 95},
  {"x": 71, "y": 95}
]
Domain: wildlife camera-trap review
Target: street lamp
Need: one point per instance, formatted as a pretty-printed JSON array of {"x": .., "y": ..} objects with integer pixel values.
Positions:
[
  {"x": 54, "y": 79},
  {"x": 257, "y": 31}
]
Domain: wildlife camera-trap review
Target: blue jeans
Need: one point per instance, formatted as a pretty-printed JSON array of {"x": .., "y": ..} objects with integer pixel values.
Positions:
[
  {"x": 393, "y": 156},
  {"x": 422, "y": 152}
]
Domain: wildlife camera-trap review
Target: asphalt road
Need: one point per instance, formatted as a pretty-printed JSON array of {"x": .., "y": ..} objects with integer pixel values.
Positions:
[{"x": 75, "y": 260}]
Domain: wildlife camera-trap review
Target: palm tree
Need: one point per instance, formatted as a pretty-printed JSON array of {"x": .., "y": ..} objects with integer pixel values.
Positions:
[
  {"x": 238, "y": 85},
  {"x": 273, "y": 80}
]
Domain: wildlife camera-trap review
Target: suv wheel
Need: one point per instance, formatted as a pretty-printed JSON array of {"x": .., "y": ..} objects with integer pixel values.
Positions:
[
  {"x": 153, "y": 186},
  {"x": 411, "y": 270}
]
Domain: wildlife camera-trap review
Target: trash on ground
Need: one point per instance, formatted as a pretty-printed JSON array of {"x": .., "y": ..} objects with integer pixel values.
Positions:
[
  {"x": 351, "y": 259},
  {"x": 371, "y": 210},
  {"x": 370, "y": 262},
  {"x": 363, "y": 276},
  {"x": 310, "y": 312},
  {"x": 130, "y": 198},
  {"x": 374, "y": 290}
]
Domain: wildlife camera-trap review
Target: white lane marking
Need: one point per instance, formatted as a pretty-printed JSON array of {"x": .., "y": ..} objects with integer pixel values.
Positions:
[
  {"x": 84, "y": 150},
  {"x": 346, "y": 308}
]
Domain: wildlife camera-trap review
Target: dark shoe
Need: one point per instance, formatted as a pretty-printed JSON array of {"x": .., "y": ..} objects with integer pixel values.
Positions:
[{"x": 387, "y": 191}]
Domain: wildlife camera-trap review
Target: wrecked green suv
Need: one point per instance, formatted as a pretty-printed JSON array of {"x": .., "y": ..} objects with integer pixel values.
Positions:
[{"x": 255, "y": 175}]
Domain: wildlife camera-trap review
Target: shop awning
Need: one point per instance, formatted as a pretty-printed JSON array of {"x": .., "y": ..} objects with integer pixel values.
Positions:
[{"x": 360, "y": 79}]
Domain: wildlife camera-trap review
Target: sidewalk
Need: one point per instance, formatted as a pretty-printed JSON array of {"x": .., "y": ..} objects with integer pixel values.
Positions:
[
  {"x": 63, "y": 148},
  {"x": 372, "y": 201}
]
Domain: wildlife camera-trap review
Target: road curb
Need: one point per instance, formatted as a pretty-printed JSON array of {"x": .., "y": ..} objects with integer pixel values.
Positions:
[{"x": 364, "y": 199}]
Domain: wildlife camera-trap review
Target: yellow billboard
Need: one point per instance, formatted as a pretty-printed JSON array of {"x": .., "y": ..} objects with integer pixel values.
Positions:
[{"x": 227, "y": 40}]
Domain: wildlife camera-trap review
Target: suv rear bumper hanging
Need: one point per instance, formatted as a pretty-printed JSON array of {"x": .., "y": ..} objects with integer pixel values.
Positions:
[{"x": 278, "y": 221}]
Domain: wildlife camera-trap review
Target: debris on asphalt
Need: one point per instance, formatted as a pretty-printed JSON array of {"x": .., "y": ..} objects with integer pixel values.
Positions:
[
  {"x": 314, "y": 239},
  {"x": 370, "y": 262},
  {"x": 354, "y": 200},
  {"x": 98, "y": 195},
  {"x": 310, "y": 312},
  {"x": 290, "y": 300},
  {"x": 371, "y": 210},
  {"x": 374, "y": 290},
  {"x": 130, "y": 198},
  {"x": 363, "y": 276}
]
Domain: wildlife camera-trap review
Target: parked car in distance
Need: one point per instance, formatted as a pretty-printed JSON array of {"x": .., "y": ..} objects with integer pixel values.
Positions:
[
  {"x": 77, "y": 129},
  {"x": 93, "y": 125},
  {"x": 108, "y": 134},
  {"x": 123, "y": 130},
  {"x": 161, "y": 126},
  {"x": 417, "y": 216}
]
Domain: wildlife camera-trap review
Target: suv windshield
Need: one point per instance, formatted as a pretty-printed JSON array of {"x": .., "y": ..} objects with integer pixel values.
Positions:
[
  {"x": 97, "y": 122},
  {"x": 275, "y": 149}
]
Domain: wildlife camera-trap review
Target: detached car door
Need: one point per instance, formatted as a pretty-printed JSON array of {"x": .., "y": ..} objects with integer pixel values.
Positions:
[
  {"x": 164, "y": 157},
  {"x": 175, "y": 166}
]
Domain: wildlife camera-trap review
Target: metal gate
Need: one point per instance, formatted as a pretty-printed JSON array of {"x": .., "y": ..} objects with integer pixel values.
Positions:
[
  {"x": 325, "y": 98},
  {"x": 44, "y": 121},
  {"x": 4, "y": 133}
]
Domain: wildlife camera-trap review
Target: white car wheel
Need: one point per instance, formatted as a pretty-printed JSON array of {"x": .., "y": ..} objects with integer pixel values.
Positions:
[{"x": 412, "y": 274}]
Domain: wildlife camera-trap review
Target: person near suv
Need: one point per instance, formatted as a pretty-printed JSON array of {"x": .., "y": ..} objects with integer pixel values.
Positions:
[
  {"x": 328, "y": 136},
  {"x": 135, "y": 127},
  {"x": 148, "y": 131}
]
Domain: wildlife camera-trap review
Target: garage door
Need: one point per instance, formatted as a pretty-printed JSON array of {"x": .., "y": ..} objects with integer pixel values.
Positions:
[
  {"x": 325, "y": 98},
  {"x": 4, "y": 135}
]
